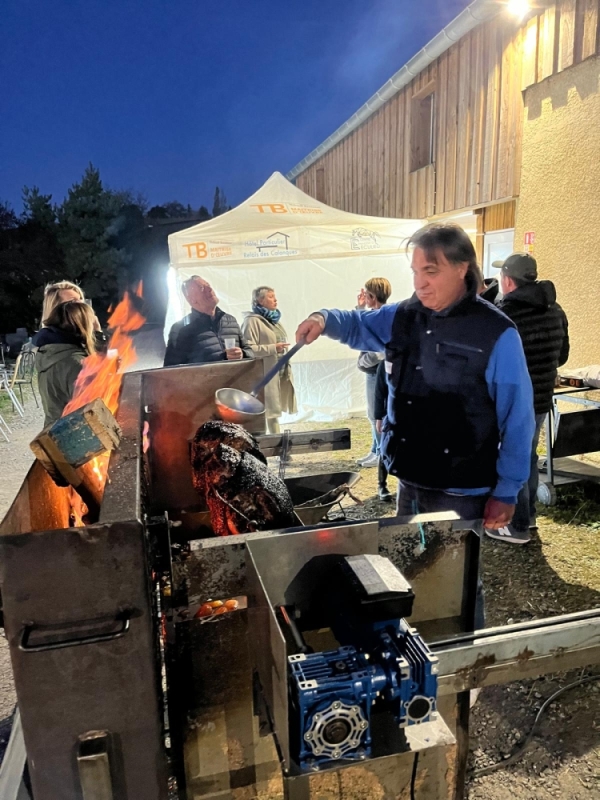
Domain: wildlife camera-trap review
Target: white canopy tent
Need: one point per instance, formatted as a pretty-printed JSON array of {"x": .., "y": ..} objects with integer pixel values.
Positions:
[{"x": 314, "y": 256}]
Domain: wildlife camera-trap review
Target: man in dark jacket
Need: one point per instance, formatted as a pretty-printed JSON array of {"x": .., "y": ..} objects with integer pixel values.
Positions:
[
  {"x": 201, "y": 337},
  {"x": 542, "y": 325}
]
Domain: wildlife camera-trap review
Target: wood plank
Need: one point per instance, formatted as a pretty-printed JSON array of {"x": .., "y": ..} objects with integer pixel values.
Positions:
[
  {"x": 380, "y": 160},
  {"x": 547, "y": 43},
  {"x": 406, "y": 153},
  {"x": 490, "y": 148},
  {"x": 393, "y": 157},
  {"x": 440, "y": 132},
  {"x": 400, "y": 126},
  {"x": 430, "y": 209},
  {"x": 518, "y": 117},
  {"x": 590, "y": 28},
  {"x": 451, "y": 128},
  {"x": 365, "y": 168},
  {"x": 477, "y": 102},
  {"x": 464, "y": 133},
  {"x": 566, "y": 47},
  {"x": 530, "y": 53},
  {"x": 386, "y": 160},
  {"x": 504, "y": 133}
]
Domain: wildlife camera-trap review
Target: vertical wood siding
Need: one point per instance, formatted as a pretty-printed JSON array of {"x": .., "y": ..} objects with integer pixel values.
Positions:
[{"x": 478, "y": 120}]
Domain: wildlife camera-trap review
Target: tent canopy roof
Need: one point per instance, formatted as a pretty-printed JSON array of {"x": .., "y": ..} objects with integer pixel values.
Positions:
[{"x": 281, "y": 222}]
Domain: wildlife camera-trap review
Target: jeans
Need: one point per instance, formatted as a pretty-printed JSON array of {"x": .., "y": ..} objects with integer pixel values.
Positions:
[
  {"x": 371, "y": 380},
  {"x": 525, "y": 508},
  {"x": 413, "y": 500}
]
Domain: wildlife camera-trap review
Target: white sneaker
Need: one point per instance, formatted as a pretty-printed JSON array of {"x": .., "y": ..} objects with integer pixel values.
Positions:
[
  {"x": 364, "y": 458},
  {"x": 372, "y": 460}
]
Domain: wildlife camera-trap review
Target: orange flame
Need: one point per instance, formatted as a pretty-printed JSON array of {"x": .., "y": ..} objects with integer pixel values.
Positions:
[{"x": 102, "y": 375}]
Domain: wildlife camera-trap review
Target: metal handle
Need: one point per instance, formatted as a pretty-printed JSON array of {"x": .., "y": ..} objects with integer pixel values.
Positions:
[
  {"x": 93, "y": 763},
  {"x": 278, "y": 366},
  {"x": 50, "y": 632}
]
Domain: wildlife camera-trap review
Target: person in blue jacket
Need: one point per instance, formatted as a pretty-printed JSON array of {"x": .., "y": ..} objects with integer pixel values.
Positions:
[{"x": 459, "y": 415}]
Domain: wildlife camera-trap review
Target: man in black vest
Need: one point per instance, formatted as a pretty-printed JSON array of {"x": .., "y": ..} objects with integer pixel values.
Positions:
[
  {"x": 543, "y": 327},
  {"x": 459, "y": 419},
  {"x": 203, "y": 335}
]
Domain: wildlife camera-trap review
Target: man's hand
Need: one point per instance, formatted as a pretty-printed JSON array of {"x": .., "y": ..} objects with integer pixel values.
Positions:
[
  {"x": 497, "y": 514},
  {"x": 378, "y": 425},
  {"x": 311, "y": 328},
  {"x": 234, "y": 354},
  {"x": 281, "y": 347}
]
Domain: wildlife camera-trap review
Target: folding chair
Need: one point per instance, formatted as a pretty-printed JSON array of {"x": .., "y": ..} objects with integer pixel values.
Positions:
[
  {"x": 5, "y": 386},
  {"x": 23, "y": 374},
  {"x": 4, "y": 429}
]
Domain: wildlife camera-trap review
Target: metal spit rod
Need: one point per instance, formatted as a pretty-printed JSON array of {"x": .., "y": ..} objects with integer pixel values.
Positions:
[{"x": 514, "y": 652}]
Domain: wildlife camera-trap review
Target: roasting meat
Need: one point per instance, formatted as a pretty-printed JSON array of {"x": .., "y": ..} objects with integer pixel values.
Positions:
[{"x": 231, "y": 473}]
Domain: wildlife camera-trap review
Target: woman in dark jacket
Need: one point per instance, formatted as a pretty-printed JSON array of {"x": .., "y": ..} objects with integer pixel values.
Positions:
[{"x": 67, "y": 338}]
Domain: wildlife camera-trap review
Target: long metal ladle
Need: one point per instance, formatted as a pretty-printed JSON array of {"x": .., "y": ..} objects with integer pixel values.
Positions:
[{"x": 234, "y": 405}]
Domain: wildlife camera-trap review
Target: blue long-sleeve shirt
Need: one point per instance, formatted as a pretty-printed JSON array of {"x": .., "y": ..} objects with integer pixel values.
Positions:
[{"x": 507, "y": 379}]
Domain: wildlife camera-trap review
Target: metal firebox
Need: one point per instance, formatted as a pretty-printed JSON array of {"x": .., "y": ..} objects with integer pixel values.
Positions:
[{"x": 126, "y": 694}]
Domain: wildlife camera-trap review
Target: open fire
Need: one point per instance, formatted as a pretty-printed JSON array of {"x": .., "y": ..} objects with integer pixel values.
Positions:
[{"x": 101, "y": 377}]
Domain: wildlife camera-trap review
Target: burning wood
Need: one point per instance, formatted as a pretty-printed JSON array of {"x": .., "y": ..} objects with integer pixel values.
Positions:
[
  {"x": 231, "y": 473},
  {"x": 99, "y": 380},
  {"x": 67, "y": 447}
]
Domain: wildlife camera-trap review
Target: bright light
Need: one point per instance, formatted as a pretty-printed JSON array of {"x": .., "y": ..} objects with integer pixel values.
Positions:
[{"x": 518, "y": 8}]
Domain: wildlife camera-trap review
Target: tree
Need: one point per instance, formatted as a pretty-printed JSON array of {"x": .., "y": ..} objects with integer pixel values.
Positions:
[
  {"x": 8, "y": 218},
  {"x": 37, "y": 207},
  {"x": 85, "y": 230},
  {"x": 203, "y": 213},
  {"x": 175, "y": 210},
  {"x": 219, "y": 203},
  {"x": 158, "y": 212}
]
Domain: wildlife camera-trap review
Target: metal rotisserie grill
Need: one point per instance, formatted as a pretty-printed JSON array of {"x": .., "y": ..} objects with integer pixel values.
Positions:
[{"x": 144, "y": 647}]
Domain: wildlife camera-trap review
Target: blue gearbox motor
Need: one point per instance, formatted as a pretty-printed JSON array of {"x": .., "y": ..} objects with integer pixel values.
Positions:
[{"x": 382, "y": 661}]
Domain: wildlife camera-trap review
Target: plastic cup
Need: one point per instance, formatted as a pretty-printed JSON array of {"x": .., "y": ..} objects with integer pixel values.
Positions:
[{"x": 230, "y": 342}]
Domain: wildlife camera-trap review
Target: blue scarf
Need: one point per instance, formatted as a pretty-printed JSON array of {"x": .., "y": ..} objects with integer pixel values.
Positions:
[{"x": 271, "y": 316}]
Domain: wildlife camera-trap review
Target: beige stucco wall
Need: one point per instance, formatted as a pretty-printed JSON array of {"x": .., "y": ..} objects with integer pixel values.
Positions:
[{"x": 560, "y": 197}]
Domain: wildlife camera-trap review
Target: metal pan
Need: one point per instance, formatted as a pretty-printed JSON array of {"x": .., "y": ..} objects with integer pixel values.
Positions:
[{"x": 234, "y": 405}]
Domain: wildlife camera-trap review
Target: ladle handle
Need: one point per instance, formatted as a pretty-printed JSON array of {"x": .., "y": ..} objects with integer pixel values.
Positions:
[{"x": 278, "y": 366}]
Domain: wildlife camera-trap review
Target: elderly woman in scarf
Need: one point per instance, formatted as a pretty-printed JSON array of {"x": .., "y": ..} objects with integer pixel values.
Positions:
[{"x": 266, "y": 335}]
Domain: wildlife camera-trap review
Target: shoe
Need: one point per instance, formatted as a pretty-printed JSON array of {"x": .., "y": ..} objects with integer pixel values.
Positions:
[
  {"x": 372, "y": 460},
  {"x": 533, "y": 524},
  {"x": 384, "y": 494},
  {"x": 364, "y": 458},
  {"x": 509, "y": 534}
]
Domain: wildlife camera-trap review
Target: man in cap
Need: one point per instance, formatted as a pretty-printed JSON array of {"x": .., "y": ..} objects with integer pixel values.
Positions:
[{"x": 542, "y": 325}]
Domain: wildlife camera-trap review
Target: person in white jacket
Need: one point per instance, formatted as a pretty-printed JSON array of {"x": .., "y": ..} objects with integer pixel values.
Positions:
[{"x": 263, "y": 331}]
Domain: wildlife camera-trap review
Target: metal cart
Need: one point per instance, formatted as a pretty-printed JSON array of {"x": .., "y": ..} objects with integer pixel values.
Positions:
[{"x": 569, "y": 434}]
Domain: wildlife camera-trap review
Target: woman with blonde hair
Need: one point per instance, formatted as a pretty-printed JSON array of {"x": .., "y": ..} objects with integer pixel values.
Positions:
[
  {"x": 60, "y": 292},
  {"x": 67, "y": 338}
]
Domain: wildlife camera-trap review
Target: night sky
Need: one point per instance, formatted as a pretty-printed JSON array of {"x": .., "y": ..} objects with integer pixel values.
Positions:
[{"x": 172, "y": 98}]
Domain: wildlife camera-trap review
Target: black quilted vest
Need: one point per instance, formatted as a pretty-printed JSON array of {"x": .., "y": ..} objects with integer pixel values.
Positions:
[{"x": 441, "y": 429}]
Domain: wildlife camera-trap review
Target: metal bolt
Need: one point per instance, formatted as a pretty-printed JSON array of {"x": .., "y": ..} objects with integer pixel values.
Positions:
[
  {"x": 317, "y": 716},
  {"x": 336, "y": 754},
  {"x": 364, "y": 725},
  {"x": 308, "y": 736},
  {"x": 337, "y": 705}
]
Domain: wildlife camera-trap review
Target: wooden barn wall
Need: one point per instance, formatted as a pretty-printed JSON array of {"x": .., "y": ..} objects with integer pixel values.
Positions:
[{"x": 478, "y": 121}]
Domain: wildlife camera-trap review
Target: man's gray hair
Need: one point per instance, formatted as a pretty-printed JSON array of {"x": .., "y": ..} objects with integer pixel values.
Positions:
[
  {"x": 259, "y": 293},
  {"x": 185, "y": 286}
]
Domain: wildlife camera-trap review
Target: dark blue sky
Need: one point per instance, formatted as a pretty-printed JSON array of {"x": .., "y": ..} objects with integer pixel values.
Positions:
[{"x": 171, "y": 97}]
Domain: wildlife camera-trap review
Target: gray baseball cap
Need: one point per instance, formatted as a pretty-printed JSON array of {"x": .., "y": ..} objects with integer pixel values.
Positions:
[{"x": 519, "y": 265}]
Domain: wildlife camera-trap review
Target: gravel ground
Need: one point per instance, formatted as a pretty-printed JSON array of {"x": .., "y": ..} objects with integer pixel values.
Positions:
[{"x": 557, "y": 573}]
